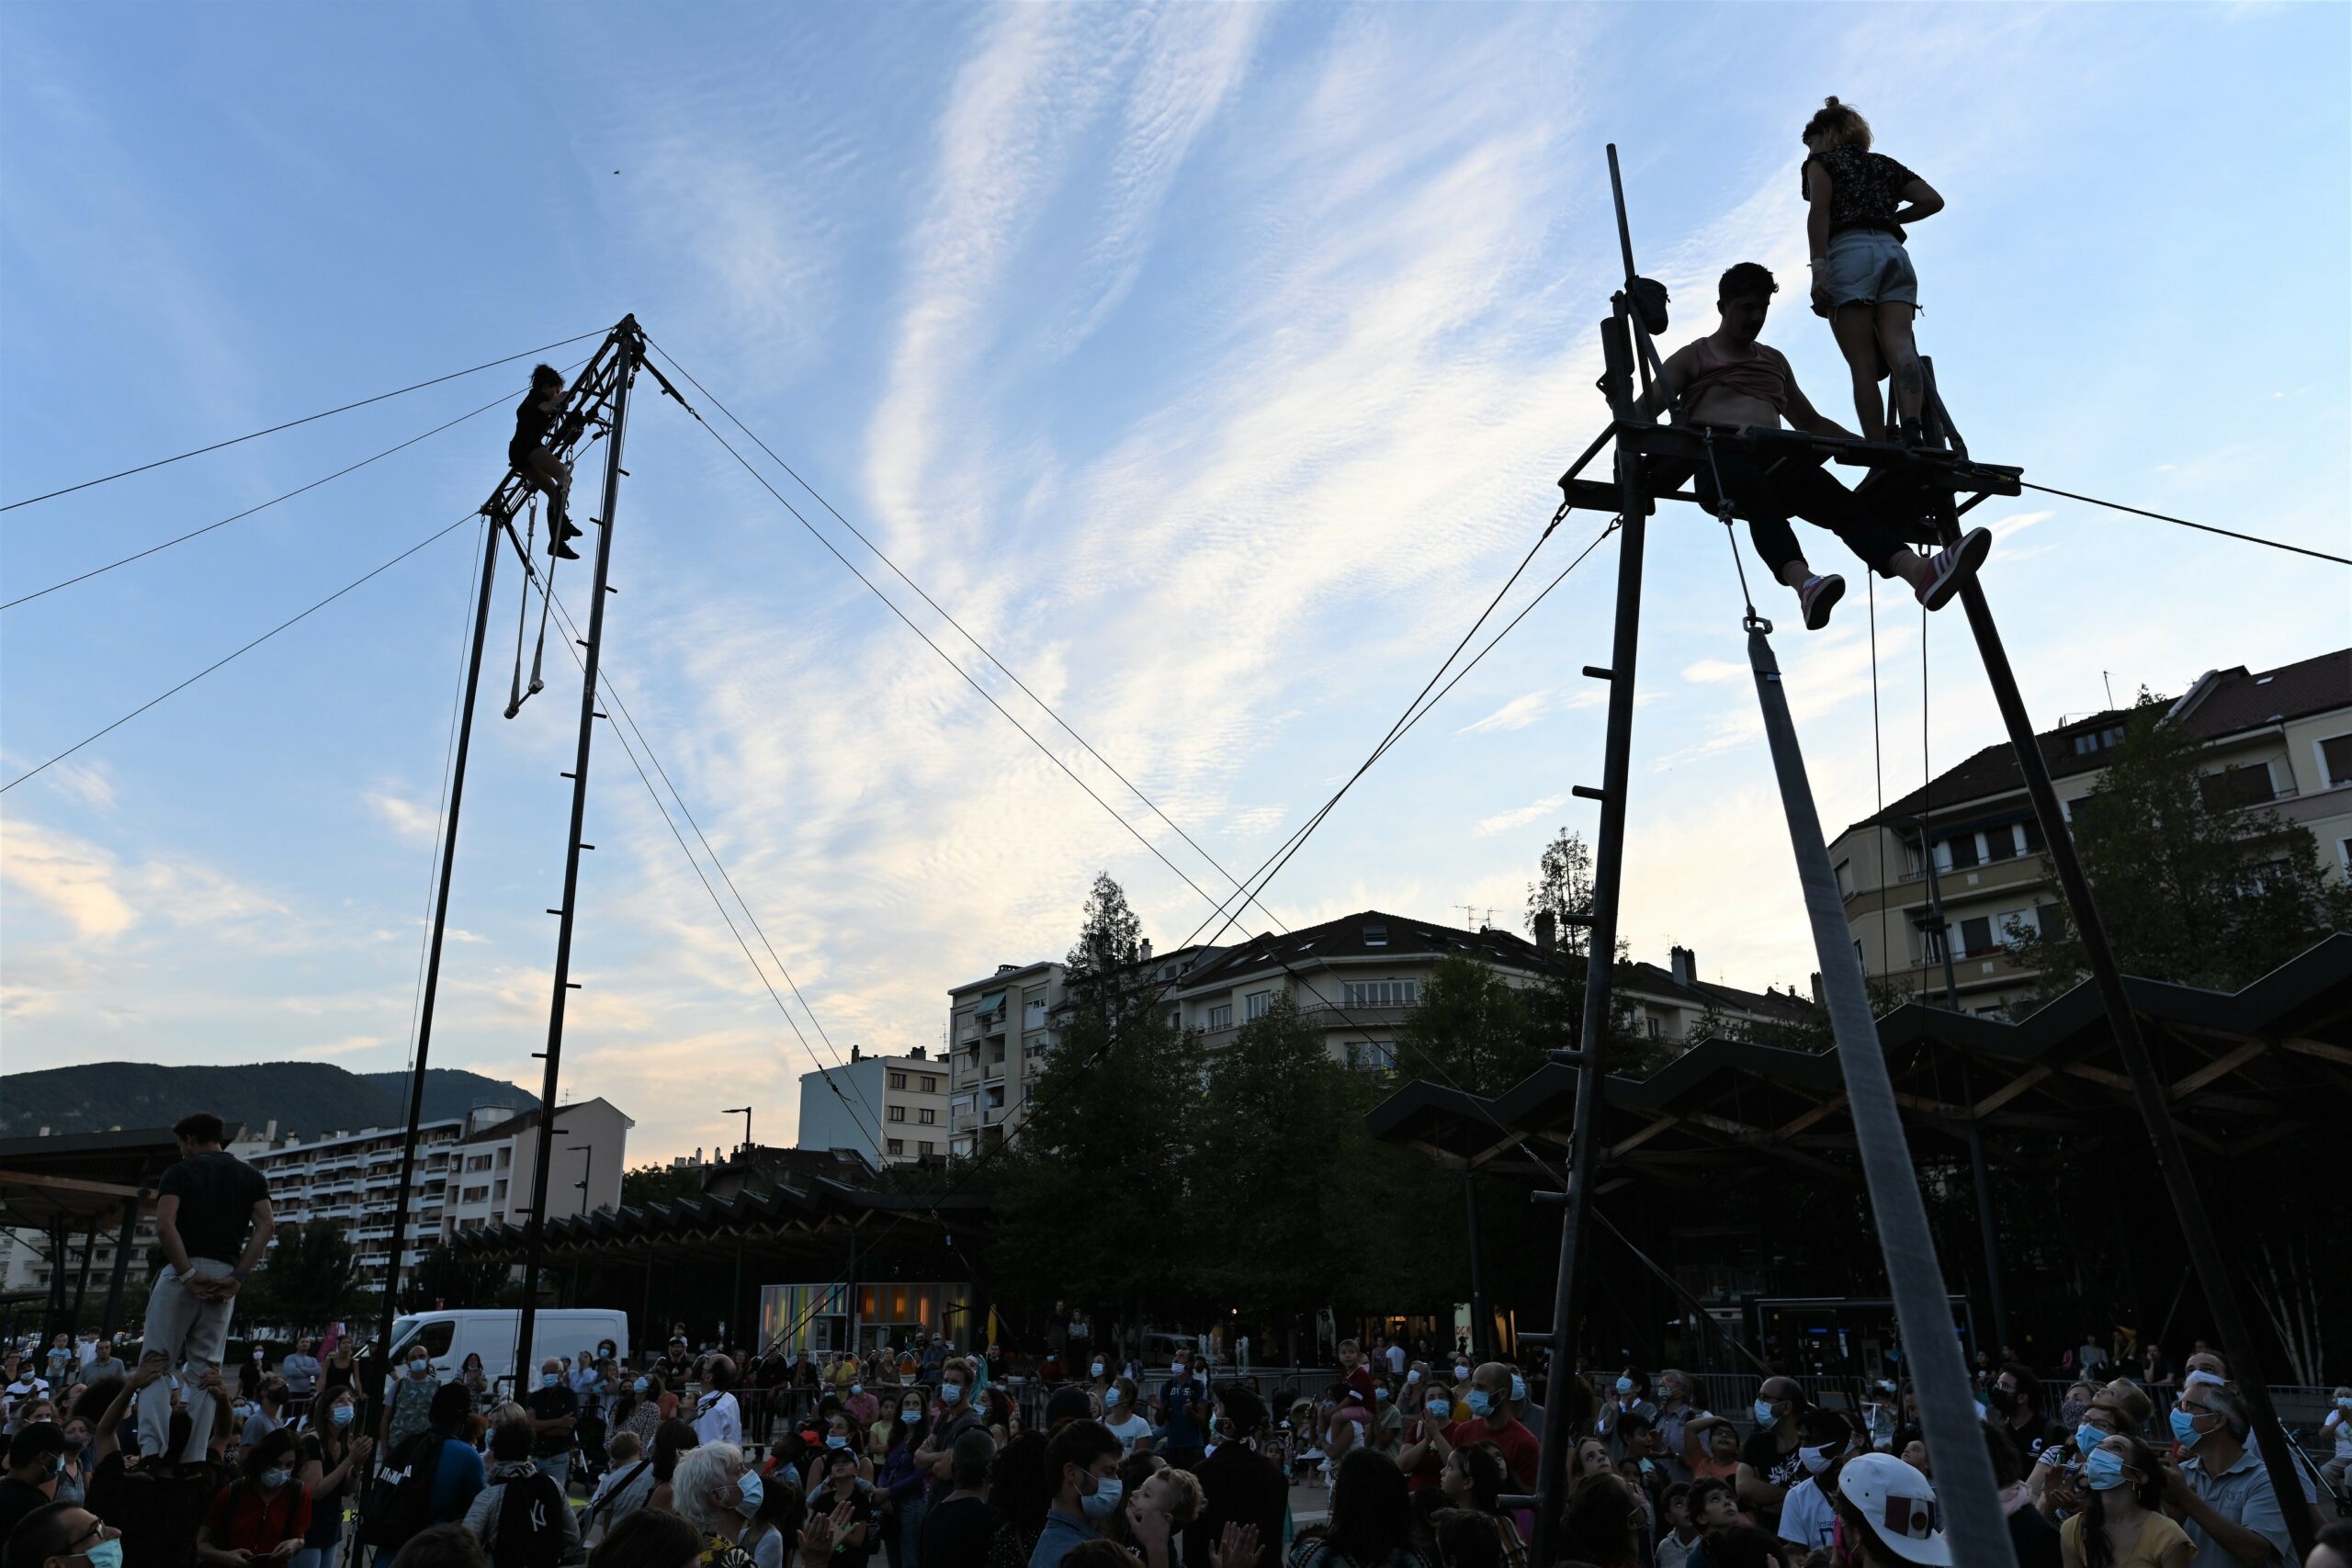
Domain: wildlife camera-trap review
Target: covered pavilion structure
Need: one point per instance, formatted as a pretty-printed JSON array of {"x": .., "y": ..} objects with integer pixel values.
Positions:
[{"x": 85, "y": 1185}]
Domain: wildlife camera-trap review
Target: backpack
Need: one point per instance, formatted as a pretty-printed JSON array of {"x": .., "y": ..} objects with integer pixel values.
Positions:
[
  {"x": 395, "y": 1512},
  {"x": 527, "y": 1534}
]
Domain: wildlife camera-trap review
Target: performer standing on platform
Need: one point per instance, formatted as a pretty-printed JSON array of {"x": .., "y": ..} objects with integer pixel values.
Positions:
[{"x": 1857, "y": 202}]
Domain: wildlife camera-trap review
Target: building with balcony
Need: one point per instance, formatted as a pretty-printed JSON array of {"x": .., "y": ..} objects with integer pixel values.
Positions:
[
  {"x": 888, "y": 1109},
  {"x": 1000, "y": 1033},
  {"x": 2279, "y": 740},
  {"x": 471, "y": 1171},
  {"x": 1359, "y": 978}
]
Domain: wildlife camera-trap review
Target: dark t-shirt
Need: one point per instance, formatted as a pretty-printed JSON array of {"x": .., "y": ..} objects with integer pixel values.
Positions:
[
  {"x": 547, "y": 1405},
  {"x": 532, "y": 423},
  {"x": 326, "y": 1507},
  {"x": 16, "y": 1500},
  {"x": 157, "y": 1514},
  {"x": 1762, "y": 1455},
  {"x": 217, "y": 1192},
  {"x": 1864, "y": 189},
  {"x": 956, "y": 1534}
]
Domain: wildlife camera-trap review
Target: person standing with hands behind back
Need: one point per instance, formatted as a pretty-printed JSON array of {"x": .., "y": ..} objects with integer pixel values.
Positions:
[
  {"x": 1856, "y": 203},
  {"x": 213, "y": 1221}
]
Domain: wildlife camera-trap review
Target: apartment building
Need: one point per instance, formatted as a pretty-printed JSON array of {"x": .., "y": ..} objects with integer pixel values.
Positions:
[
  {"x": 888, "y": 1109},
  {"x": 2279, "y": 740},
  {"x": 470, "y": 1170},
  {"x": 1000, "y": 1031},
  {"x": 1358, "y": 978}
]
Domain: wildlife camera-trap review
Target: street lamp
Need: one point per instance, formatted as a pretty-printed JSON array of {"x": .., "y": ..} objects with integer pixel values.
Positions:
[{"x": 745, "y": 1112}]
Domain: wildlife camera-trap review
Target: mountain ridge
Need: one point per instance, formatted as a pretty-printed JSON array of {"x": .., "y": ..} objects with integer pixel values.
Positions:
[{"x": 309, "y": 1098}]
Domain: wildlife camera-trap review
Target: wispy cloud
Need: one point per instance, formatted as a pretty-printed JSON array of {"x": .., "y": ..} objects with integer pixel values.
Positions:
[{"x": 1519, "y": 816}]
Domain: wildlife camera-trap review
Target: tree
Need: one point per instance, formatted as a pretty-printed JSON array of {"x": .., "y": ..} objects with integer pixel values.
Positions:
[
  {"x": 308, "y": 1280},
  {"x": 1090, "y": 1198},
  {"x": 443, "y": 1280},
  {"x": 1563, "y": 889},
  {"x": 2193, "y": 890},
  {"x": 659, "y": 1184},
  {"x": 1477, "y": 1030}
]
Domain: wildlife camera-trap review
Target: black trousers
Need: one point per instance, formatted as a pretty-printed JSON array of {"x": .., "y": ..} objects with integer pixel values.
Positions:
[{"x": 1793, "y": 487}]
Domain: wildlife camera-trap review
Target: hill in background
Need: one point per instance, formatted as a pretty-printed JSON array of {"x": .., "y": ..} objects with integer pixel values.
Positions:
[{"x": 308, "y": 1098}]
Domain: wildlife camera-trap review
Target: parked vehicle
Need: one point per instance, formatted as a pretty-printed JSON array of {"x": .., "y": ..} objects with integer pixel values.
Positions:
[{"x": 489, "y": 1332}]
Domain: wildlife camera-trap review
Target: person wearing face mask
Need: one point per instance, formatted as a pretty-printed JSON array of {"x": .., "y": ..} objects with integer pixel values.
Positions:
[
  {"x": 1123, "y": 1419},
  {"x": 1624, "y": 1396},
  {"x": 903, "y": 1482},
  {"x": 1809, "y": 1514},
  {"x": 838, "y": 1485},
  {"x": 266, "y": 1414},
  {"x": 638, "y": 1411},
  {"x": 772, "y": 1518},
  {"x": 1423, "y": 1453},
  {"x": 954, "y": 1417},
  {"x": 2121, "y": 1524},
  {"x": 410, "y": 1399},
  {"x": 520, "y": 1516},
  {"x": 554, "y": 1411},
  {"x": 1678, "y": 1407},
  {"x": 1083, "y": 1461},
  {"x": 36, "y": 1457},
  {"x": 2015, "y": 1399},
  {"x": 1486, "y": 1417},
  {"x": 2220, "y": 1491},
  {"x": 1099, "y": 1373},
  {"x": 334, "y": 1457},
  {"x": 64, "y": 1535},
  {"x": 1768, "y": 1463},
  {"x": 264, "y": 1513},
  {"x": 860, "y": 1402},
  {"x": 1178, "y": 1409}
]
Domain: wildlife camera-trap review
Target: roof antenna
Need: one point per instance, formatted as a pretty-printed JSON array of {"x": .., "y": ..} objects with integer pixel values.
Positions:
[{"x": 2110, "y": 690}]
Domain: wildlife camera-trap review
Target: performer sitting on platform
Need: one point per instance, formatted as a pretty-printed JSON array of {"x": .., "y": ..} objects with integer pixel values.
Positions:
[
  {"x": 1857, "y": 202},
  {"x": 541, "y": 470},
  {"x": 1729, "y": 381}
]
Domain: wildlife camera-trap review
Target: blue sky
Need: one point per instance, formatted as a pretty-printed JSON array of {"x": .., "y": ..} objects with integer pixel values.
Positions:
[{"x": 1213, "y": 365}]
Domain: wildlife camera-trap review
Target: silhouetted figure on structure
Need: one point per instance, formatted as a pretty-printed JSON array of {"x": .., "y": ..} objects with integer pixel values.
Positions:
[
  {"x": 1856, "y": 203},
  {"x": 1732, "y": 382},
  {"x": 535, "y": 420}
]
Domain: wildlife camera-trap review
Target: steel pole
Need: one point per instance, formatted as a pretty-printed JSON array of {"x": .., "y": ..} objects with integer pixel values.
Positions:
[
  {"x": 434, "y": 943},
  {"x": 113, "y": 1319},
  {"x": 1481, "y": 1336},
  {"x": 632, "y": 350},
  {"x": 2148, "y": 1091}
]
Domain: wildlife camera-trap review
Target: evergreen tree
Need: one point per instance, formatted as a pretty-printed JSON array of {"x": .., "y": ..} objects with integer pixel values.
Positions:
[
  {"x": 2192, "y": 890},
  {"x": 307, "y": 1282},
  {"x": 1090, "y": 1199}
]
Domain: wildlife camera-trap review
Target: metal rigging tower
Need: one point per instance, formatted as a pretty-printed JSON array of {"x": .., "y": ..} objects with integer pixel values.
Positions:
[{"x": 1652, "y": 460}]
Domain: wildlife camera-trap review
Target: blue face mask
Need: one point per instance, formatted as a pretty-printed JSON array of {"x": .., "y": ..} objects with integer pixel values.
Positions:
[
  {"x": 1436, "y": 1409},
  {"x": 271, "y": 1480},
  {"x": 951, "y": 1393},
  {"x": 835, "y": 1440},
  {"x": 341, "y": 1415},
  {"x": 1379, "y": 1393},
  {"x": 1096, "y": 1370},
  {"x": 1480, "y": 1402},
  {"x": 2103, "y": 1470},
  {"x": 549, "y": 1380},
  {"x": 1624, "y": 1385},
  {"x": 857, "y": 1388},
  {"x": 641, "y": 1385},
  {"x": 2087, "y": 1437},
  {"x": 2184, "y": 1428},
  {"x": 911, "y": 1416},
  {"x": 1103, "y": 1500},
  {"x": 106, "y": 1554},
  {"x": 1764, "y": 1412},
  {"x": 1517, "y": 1386},
  {"x": 753, "y": 1489},
  {"x": 1111, "y": 1396}
]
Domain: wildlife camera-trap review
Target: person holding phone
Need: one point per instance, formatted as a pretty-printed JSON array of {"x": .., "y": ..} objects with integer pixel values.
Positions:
[{"x": 264, "y": 1513}]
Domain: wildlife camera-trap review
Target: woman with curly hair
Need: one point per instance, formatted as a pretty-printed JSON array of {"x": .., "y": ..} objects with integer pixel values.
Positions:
[{"x": 2122, "y": 1524}]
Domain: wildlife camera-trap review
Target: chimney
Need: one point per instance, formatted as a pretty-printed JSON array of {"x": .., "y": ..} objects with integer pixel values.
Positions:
[
  {"x": 1685, "y": 963},
  {"x": 1818, "y": 1000},
  {"x": 1147, "y": 950},
  {"x": 1547, "y": 932}
]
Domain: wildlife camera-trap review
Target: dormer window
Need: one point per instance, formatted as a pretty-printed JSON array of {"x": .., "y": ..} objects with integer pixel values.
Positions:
[{"x": 1375, "y": 936}]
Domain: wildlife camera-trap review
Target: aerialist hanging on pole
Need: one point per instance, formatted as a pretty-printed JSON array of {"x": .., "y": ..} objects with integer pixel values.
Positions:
[
  {"x": 1730, "y": 382},
  {"x": 535, "y": 418}
]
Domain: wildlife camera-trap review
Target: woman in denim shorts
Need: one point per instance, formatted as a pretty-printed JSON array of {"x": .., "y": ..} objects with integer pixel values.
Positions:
[{"x": 1857, "y": 202}]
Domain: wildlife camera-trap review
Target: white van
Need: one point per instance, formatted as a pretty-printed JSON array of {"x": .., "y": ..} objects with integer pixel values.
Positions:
[{"x": 489, "y": 1332}]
